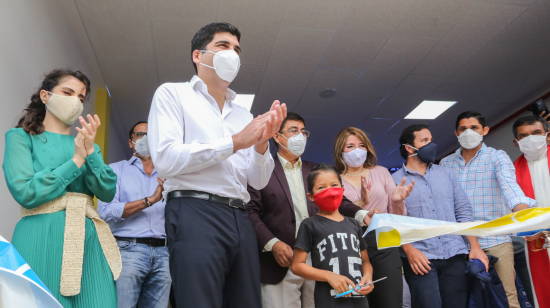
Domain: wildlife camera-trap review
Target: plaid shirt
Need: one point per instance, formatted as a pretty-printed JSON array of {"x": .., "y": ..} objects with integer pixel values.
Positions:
[{"x": 489, "y": 180}]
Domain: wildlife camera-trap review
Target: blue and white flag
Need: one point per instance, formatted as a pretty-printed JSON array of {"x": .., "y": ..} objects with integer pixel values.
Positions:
[{"x": 19, "y": 285}]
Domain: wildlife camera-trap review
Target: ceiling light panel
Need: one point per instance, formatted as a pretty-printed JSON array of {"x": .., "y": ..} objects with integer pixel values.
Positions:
[{"x": 429, "y": 110}]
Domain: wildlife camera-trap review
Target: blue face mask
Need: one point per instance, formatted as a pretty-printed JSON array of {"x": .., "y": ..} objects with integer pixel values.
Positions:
[{"x": 425, "y": 153}]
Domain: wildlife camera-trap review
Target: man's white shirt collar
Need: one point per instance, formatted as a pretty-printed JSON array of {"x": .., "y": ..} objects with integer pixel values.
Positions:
[{"x": 199, "y": 85}]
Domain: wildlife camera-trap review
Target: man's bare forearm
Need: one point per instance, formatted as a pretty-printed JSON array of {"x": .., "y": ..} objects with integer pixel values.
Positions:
[{"x": 134, "y": 207}]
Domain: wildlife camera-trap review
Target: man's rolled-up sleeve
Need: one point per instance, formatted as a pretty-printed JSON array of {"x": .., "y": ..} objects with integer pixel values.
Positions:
[
  {"x": 506, "y": 177},
  {"x": 112, "y": 211}
]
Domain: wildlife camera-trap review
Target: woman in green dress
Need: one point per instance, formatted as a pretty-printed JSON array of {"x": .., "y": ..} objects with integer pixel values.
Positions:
[{"x": 44, "y": 165}]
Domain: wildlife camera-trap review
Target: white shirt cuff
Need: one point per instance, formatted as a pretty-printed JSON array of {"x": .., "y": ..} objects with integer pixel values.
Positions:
[
  {"x": 224, "y": 147},
  {"x": 270, "y": 244},
  {"x": 360, "y": 216},
  {"x": 261, "y": 159}
]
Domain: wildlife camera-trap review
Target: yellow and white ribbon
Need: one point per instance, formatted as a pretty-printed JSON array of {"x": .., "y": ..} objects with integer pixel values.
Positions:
[{"x": 395, "y": 230}]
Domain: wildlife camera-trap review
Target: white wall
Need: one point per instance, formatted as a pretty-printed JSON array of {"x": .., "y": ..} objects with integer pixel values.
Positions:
[
  {"x": 502, "y": 138},
  {"x": 37, "y": 36}
]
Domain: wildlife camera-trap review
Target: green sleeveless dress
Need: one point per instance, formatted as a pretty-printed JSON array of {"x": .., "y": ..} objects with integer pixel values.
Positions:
[{"x": 39, "y": 169}]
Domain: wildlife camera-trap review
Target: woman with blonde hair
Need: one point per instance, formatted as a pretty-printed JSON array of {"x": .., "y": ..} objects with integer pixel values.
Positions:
[{"x": 355, "y": 159}]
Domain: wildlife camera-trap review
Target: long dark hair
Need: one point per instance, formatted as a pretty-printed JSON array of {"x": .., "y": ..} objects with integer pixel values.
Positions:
[{"x": 33, "y": 115}]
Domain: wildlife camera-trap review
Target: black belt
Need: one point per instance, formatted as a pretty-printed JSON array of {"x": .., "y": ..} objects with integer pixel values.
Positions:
[
  {"x": 234, "y": 203},
  {"x": 154, "y": 242}
]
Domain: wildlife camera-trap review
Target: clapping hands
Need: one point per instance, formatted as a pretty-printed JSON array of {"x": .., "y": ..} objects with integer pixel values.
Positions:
[
  {"x": 261, "y": 129},
  {"x": 84, "y": 140},
  {"x": 365, "y": 192}
]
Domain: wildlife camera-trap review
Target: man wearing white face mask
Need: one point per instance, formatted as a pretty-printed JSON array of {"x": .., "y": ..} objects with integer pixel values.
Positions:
[
  {"x": 276, "y": 212},
  {"x": 533, "y": 176},
  {"x": 488, "y": 177},
  {"x": 209, "y": 149},
  {"x": 531, "y": 137},
  {"x": 136, "y": 218}
]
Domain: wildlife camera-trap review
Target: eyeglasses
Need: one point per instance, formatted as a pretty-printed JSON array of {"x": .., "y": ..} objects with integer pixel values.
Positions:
[
  {"x": 294, "y": 131},
  {"x": 139, "y": 135}
]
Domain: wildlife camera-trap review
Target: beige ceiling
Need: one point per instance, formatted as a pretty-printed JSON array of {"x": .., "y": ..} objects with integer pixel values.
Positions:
[{"x": 383, "y": 56}]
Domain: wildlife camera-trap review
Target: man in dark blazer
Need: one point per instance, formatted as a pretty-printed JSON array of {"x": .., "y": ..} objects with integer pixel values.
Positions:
[{"x": 276, "y": 212}]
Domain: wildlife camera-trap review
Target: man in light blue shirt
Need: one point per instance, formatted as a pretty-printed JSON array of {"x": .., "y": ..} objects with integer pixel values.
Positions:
[
  {"x": 435, "y": 268},
  {"x": 136, "y": 218},
  {"x": 488, "y": 177}
]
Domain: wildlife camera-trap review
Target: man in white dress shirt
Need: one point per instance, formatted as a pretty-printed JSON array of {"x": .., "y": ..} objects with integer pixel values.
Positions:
[{"x": 208, "y": 149}]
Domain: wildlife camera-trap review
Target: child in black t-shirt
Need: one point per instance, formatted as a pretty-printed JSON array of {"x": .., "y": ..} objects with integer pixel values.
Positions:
[{"x": 338, "y": 251}]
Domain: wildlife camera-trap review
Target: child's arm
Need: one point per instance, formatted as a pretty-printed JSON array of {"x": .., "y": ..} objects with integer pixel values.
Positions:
[
  {"x": 338, "y": 282},
  {"x": 367, "y": 274}
]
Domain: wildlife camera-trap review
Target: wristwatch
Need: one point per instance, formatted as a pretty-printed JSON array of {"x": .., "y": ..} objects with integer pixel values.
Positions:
[{"x": 146, "y": 202}]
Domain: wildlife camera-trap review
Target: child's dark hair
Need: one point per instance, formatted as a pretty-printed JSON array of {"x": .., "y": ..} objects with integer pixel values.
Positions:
[{"x": 312, "y": 176}]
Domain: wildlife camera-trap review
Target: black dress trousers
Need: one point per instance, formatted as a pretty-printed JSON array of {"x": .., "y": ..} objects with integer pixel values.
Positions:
[{"x": 213, "y": 255}]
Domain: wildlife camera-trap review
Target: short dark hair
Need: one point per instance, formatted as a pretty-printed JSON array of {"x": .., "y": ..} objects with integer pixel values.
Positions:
[
  {"x": 133, "y": 127},
  {"x": 312, "y": 176},
  {"x": 206, "y": 34},
  {"x": 470, "y": 114},
  {"x": 291, "y": 116},
  {"x": 529, "y": 120},
  {"x": 407, "y": 137}
]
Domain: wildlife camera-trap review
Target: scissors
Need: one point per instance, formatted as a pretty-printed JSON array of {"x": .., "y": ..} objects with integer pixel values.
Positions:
[{"x": 359, "y": 287}]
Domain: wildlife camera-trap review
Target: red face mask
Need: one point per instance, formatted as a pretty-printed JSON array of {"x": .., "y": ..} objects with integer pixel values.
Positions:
[{"x": 329, "y": 200}]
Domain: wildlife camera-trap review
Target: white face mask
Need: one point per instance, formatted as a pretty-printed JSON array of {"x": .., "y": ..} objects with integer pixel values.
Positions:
[
  {"x": 469, "y": 139},
  {"x": 142, "y": 146},
  {"x": 296, "y": 144},
  {"x": 226, "y": 63},
  {"x": 65, "y": 108},
  {"x": 355, "y": 158},
  {"x": 533, "y": 146}
]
